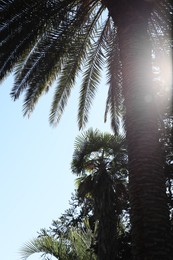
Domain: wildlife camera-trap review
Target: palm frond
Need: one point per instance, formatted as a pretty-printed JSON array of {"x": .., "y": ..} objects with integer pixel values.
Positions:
[
  {"x": 45, "y": 245},
  {"x": 52, "y": 51},
  {"x": 92, "y": 73},
  {"x": 82, "y": 241},
  {"x": 114, "y": 80},
  {"x": 46, "y": 56},
  {"x": 27, "y": 21},
  {"x": 71, "y": 67}
]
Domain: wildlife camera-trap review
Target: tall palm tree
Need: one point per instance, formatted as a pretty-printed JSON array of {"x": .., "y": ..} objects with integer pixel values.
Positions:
[
  {"x": 43, "y": 41},
  {"x": 100, "y": 161}
]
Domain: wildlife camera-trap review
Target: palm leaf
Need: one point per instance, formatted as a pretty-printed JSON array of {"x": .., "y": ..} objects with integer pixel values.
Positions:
[
  {"x": 76, "y": 55},
  {"x": 45, "y": 245},
  {"x": 25, "y": 21},
  {"x": 82, "y": 240},
  {"x": 90, "y": 147},
  {"x": 114, "y": 103},
  {"x": 48, "y": 56},
  {"x": 91, "y": 75}
]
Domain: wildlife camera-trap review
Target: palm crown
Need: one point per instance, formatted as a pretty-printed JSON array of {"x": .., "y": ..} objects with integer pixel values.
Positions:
[{"x": 47, "y": 41}]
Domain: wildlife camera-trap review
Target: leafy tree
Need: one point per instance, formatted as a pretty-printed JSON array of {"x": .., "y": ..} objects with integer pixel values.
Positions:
[
  {"x": 100, "y": 161},
  {"x": 52, "y": 40}
]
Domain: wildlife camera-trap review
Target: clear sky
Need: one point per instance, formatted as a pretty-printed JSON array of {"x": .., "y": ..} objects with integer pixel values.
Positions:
[{"x": 35, "y": 175}]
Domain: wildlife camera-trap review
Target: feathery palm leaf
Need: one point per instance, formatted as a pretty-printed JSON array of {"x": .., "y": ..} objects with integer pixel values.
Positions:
[
  {"x": 114, "y": 103},
  {"x": 46, "y": 245},
  {"x": 92, "y": 73}
]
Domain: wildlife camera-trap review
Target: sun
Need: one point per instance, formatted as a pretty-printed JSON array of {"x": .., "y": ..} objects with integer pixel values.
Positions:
[{"x": 162, "y": 71}]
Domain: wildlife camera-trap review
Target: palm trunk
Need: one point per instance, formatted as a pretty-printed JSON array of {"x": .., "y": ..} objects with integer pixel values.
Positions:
[
  {"x": 105, "y": 207},
  {"x": 151, "y": 235}
]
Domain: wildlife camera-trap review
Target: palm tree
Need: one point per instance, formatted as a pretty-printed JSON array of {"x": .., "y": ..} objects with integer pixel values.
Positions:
[
  {"x": 74, "y": 245},
  {"x": 43, "y": 41},
  {"x": 100, "y": 161},
  {"x": 47, "y": 246}
]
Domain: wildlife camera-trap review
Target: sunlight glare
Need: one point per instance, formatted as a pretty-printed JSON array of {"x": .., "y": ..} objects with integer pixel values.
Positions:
[{"x": 163, "y": 84}]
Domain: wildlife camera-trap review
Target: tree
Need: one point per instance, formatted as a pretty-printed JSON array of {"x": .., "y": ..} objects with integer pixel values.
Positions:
[
  {"x": 166, "y": 136},
  {"x": 92, "y": 228},
  {"x": 47, "y": 40},
  {"x": 100, "y": 161},
  {"x": 74, "y": 245}
]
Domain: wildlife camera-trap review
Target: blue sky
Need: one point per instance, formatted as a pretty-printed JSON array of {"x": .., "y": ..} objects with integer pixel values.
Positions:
[{"x": 36, "y": 180}]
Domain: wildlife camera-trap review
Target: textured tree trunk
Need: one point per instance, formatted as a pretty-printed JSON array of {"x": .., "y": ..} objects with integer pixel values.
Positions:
[
  {"x": 151, "y": 235},
  {"x": 105, "y": 206}
]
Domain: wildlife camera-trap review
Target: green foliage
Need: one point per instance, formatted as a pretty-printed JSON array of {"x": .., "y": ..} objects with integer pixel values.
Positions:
[
  {"x": 75, "y": 244},
  {"x": 98, "y": 217},
  {"x": 53, "y": 41},
  {"x": 100, "y": 161}
]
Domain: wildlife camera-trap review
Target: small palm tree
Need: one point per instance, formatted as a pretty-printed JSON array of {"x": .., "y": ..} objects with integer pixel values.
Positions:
[
  {"x": 74, "y": 245},
  {"x": 47, "y": 246},
  {"x": 100, "y": 161}
]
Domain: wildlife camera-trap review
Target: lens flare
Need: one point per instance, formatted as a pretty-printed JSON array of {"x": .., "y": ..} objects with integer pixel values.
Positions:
[{"x": 163, "y": 83}]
